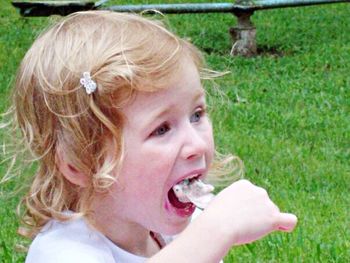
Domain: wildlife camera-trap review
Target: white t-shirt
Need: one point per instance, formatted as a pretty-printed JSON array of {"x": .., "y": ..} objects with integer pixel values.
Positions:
[{"x": 75, "y": 241}]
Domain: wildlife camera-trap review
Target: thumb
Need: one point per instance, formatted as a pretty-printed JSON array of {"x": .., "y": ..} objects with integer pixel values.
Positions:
[{"x": 286, "y": 222}]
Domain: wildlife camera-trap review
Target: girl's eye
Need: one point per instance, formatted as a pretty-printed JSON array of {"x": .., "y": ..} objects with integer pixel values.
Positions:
[
  {"x": 161, "y": 130},
  {"x": 197, "y": 115}
]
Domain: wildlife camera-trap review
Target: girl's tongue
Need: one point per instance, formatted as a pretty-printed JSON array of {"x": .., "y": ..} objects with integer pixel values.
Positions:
[
  {"x": 176, "y": 202},
  {"x": 183, "y": 209}
]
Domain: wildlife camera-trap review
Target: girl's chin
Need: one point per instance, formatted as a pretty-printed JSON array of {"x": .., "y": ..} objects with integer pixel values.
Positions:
[{"x": 176, "y": 219}]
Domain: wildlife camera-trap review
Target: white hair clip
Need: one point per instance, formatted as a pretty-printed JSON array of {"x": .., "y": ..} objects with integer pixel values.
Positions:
[{"x": 89, "y": 85}]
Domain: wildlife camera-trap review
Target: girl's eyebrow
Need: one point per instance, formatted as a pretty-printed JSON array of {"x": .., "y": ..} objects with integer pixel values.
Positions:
[
  {"x": 168, "y": 109},
  {"x": 160, "y": 114}
]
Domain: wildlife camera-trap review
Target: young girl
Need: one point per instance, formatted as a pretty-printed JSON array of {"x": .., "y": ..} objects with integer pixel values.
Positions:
[{"x": 111, "y": 105}]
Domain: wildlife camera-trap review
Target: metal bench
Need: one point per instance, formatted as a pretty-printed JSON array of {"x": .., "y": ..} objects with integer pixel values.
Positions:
[{"x": 243, "y": 35}]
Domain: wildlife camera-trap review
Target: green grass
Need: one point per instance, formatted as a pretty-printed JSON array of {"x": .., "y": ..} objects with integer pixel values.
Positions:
[{"x": 293, "y": 133}]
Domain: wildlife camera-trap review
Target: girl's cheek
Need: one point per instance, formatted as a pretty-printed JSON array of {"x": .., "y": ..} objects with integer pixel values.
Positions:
[{"x": 162, "y": 150}]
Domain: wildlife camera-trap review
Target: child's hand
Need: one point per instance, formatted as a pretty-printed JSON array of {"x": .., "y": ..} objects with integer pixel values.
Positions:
[
  {"x": 241, "y": 213},
  {"x": 244, "y": 213}
]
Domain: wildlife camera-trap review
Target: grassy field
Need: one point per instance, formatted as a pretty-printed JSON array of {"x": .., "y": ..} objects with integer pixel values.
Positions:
[{"x": 287, "y": 115}]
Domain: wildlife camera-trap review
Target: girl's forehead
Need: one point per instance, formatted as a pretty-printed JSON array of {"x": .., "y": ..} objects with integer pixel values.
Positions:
[
  {"x": 168, "y": 97},
  {"x": 184, "y": 85},
  {"x": 181, "y": 95}
]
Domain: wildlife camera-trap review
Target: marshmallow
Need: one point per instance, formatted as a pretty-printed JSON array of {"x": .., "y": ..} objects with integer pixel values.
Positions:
[{"x": 194, "y": 191}]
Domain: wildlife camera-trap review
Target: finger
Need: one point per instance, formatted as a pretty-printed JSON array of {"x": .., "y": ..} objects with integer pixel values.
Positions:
[{"x": 286, "y": 222}]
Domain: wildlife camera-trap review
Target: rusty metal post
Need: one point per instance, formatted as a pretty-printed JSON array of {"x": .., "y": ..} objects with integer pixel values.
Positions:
[{"x": 243, "y": 36}]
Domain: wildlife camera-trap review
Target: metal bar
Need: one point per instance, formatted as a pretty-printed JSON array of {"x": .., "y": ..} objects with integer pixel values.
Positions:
[
  {"x": 176, "y": 8},
  {"x": 238, "y": 6},
  {"x": 46, "y": 8},
  {"x": 270, "y": 4}
]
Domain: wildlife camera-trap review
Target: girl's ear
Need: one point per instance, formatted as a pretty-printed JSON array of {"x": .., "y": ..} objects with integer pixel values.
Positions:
[{"x": 69, "y": 172}]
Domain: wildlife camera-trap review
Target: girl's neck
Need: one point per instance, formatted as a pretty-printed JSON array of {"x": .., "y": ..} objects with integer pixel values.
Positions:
[
  {"x": 145, "y": 246},
  {"x": 129, "y": 236}
]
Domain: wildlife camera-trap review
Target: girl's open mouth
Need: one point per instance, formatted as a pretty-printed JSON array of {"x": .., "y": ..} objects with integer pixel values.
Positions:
[
  {"x": 190, "y": 193},
  {"x": 182, "y": 208},
  {"x": 175, "y": 202}
]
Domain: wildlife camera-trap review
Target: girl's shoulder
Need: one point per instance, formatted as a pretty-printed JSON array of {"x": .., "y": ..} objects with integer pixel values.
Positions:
[{"x": 72, "y": 241}]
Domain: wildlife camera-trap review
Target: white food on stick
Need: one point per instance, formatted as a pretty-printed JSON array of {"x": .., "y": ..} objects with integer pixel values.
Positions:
[{"x": 195, "y": 191}]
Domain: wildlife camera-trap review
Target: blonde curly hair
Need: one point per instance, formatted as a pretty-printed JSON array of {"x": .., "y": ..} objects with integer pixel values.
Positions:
[{"x": 124, "y": 53}]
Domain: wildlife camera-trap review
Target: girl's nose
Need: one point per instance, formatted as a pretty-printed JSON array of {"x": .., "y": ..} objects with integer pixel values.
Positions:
[{"x": 194, "y": 145}]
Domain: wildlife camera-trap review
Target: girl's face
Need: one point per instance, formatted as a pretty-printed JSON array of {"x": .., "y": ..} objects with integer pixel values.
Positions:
[{"x": 167, "y": 137}]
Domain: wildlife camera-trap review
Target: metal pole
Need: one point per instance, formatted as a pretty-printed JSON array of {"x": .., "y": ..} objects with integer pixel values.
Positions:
[
  {"x": 176, "y": 8},
  {"x": 46, "y": 8},
  {"x": 270, "y": 4},
  {"x": 236, "y": 6}
]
